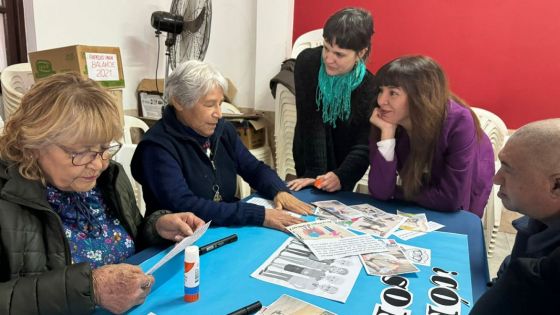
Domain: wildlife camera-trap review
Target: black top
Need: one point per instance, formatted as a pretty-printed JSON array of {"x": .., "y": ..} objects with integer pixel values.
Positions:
[
  {"x": 37, "y": 275},
  {"x": 528, "y": 286},
  {"x": 318, "y": 147}
]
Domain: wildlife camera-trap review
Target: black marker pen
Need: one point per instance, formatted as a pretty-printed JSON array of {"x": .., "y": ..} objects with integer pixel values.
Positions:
[
  {"x": 216, "y": 244},
  {"x": 249, "y": 309}
]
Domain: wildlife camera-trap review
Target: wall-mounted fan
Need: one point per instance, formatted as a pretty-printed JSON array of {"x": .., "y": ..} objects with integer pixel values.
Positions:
[{"x": 188, "y": 30}]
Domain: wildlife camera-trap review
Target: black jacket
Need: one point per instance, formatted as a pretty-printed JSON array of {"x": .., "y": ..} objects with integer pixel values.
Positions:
[
  {"x": 318, "y": 147},
  {"x": 36, "y": 273},
  {"x": 534, "y": 239},
  {"x": 528, "y": 286}
]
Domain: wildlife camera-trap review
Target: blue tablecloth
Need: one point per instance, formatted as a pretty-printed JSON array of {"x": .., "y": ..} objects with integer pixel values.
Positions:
[{"x": 225, "y": 273}]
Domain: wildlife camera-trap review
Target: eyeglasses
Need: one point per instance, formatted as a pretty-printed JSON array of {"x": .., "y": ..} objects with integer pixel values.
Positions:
[{"x": 83, "y": 158}]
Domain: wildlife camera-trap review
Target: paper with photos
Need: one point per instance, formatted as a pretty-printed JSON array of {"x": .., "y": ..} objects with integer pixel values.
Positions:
[
  {"x": 288, "y": 305},
  {"x": 407, "y": 235},
  {"x": 294, "y": 266},
  {"x": 370, "y": 211},
  {"x": 376, "y": 221},
  {"x": 338, "y": 209},
  {"x": 324, "y": 214},
  {"x": 319, "y": 229},
  {"x": 414, "y": 222},
  {"x": 417, "y": 255},
  {"x": 388, "y": 263},
  {"x": 327, "y": 240}
]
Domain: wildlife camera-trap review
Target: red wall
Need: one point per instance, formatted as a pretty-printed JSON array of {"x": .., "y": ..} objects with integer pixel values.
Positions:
[{"x": 501, "y": 55}]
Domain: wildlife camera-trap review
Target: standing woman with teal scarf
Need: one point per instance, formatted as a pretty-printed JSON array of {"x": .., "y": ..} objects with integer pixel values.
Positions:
[{"x": 335, "y": 95}]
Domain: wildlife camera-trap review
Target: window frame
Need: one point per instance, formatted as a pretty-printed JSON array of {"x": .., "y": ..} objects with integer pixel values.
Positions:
[{"x": 14, "y": 31}]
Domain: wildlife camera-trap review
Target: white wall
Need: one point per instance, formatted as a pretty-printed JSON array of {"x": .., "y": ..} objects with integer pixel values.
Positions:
[
  {"x": 232, "y": 45},
  {"x": 273, "y": 45},
  {"x": 247, "y": 43}
]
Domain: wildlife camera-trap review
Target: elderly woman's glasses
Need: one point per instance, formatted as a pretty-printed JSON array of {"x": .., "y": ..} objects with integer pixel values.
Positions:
[{"x": 83, "y": 158}]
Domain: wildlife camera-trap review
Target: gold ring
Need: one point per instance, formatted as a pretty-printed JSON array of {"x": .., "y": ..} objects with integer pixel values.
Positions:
[{"x": 146, "y": 285}]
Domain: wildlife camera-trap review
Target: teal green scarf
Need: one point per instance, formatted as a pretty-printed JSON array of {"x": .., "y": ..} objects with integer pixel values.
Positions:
[{"x": 334, "y": 92}]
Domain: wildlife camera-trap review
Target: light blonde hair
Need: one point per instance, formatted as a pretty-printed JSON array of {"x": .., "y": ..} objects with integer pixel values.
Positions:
[{"x": 62, "y": 109}]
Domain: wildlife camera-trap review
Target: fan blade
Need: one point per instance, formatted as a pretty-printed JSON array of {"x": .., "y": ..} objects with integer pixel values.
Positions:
[{"x": 194, "y": 25}]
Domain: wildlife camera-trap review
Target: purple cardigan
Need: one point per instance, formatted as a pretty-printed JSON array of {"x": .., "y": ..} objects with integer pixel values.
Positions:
[{"x": 462, "y": 173}]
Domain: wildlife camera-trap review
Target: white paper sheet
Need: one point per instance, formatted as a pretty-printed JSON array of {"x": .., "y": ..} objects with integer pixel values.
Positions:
[
  {"x": 261, "y": 202},
  {"x": 269, "y": 204},
  {"x": 406, "y": 235},
  {"x": 179, "y": 247},
  {"x": 327, "y": 240},
  {"x": 293, "y": 266}
]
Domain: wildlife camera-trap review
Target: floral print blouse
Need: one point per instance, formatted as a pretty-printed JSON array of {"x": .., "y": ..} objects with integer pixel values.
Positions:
[{"x": 94, "y": 232}]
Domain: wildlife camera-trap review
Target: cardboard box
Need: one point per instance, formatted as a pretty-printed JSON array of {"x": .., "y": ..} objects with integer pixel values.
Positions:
[
  {"x": 117, "y": 94},
  {"x": 150, "y": 98},
  {"x": 231, "y": 92},
  {"x": 102, "y": 64},
  {"x": 252, "y": 132}
]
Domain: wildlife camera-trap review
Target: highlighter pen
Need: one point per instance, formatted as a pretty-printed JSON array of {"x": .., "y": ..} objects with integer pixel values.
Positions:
[
  {"x": 217, "y": 244},
  {"x": 249, "y": 309}
]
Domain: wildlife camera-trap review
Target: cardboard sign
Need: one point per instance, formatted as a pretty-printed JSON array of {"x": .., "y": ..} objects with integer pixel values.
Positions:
[{"x": 102, "y": 67}]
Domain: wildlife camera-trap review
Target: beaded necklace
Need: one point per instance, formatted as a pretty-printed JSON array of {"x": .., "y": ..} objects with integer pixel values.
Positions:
[{"x": 334, "y": 92}]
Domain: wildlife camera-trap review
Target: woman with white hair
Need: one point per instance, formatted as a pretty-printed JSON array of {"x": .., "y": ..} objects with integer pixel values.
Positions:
[{"x": 190, "y": 158}]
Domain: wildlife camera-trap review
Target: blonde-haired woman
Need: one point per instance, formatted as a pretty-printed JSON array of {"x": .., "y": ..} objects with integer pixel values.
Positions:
[
  {"x": 68, "y": 217},
  {"x": 429, "y": 138}
]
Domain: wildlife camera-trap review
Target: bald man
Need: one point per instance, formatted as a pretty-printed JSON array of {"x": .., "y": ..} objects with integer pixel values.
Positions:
[{"x": 529, "y": 179}]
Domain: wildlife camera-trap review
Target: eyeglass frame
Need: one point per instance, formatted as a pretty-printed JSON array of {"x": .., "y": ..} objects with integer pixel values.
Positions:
[{"x": 73, "y": 155}]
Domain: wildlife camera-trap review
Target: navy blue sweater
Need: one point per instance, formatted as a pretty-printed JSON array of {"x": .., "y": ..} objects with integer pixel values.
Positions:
[{"x": 176, "y": 174}]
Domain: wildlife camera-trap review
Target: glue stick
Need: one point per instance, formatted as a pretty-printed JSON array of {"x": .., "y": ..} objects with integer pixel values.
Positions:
[{"x": 192, "y": 273}]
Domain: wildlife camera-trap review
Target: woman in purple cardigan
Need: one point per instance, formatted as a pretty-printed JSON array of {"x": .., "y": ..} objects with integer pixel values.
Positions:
[{"x": 426, "y": 144}]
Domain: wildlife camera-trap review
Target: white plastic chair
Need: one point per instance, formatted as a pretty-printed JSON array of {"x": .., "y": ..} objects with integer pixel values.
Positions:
[
  {"x": 496, "y": 130},
  {"x": 16, "y": 80},
  {"x": 132, "y": 122},
  {"x": 228, "y": 108},
  {"x": 362, "y": 185},
  {"x": 284, "y": 126},
  {"x": 124, "y": 157},
  {"x": 285, "y": 109},
  {"x": 310, "y": 39}
]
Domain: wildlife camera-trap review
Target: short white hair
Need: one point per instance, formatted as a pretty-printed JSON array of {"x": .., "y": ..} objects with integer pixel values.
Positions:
[
  {"x": 191, "y": 80},
  {"x": 541, "y": 142}
]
